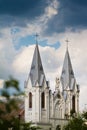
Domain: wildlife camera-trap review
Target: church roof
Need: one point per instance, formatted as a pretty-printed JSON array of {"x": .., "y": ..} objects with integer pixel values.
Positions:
[
  {"x": 67, "y": 76},
  {"x": 37, "y": 75}
]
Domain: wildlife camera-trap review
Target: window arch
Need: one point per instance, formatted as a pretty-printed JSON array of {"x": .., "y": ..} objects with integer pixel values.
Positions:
[
  {"x": 43, "y": 100},
  {"x": 30, "y": 100}
]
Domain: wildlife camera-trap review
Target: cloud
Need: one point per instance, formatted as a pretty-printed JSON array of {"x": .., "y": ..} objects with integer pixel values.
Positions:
[
  {"x": 71, "y": 14},
  {"x": 24, "y": 12},
  {"x": 50, "y": 16},
  {"x": 54, "y": 21},
  {"x": 18, "y": 62},
  {"x": 7, "y": 53},
  {"x": 20, "y": 12},
  {"x": 54, "y": 59},
  {"x": 22, "y": 61},
  {"x": 20, "y": 32},
  {"x": 22, "y": 8},
  {"x": 77, "y": 50}
]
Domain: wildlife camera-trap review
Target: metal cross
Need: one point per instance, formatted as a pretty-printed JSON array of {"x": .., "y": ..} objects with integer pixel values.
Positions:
[
  {"x": 36, "y": 36},
  {"x": 67, "y": 41}
]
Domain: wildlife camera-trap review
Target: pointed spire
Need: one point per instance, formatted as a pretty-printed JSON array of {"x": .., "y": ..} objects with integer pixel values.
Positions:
[
  {"x": 37, "y": 73},
  {"x": 67, "y": 76}
]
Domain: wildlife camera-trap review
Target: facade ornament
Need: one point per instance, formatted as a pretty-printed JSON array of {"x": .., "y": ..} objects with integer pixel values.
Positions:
[{"x": 57, "y": 84}]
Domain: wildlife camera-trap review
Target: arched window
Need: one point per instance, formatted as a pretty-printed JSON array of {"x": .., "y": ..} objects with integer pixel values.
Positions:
[
  {"x": 42, "y": 100},
  {"x": 73, "y": 103},
  {"x": 30, "y": 100}
]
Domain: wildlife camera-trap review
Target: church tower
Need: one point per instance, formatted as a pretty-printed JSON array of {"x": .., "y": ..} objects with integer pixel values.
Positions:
[
  {"x": 36, "y": 92},
  {"x": 70, "y": 89},
  {"x": 42, "y": 107}
]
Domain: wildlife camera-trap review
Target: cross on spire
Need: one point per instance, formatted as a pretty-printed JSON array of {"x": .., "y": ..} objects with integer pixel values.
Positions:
[
  {"x": 67, "y": 41},
  {"x": 36, "y": 36}
]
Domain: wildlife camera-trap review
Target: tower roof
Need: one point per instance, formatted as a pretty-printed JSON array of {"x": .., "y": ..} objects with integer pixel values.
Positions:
[
  {"x": 37, "y": 75},
  {"x": 67, "y": 76}
]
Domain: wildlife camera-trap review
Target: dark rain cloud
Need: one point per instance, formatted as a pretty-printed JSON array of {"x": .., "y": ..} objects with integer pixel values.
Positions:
[
  {"x": 71, "y": 14},
  {"x": 18, "y": 12},
  {"x": 22, "y": 8}
]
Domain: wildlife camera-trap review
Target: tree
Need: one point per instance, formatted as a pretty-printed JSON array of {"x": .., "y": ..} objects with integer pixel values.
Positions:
[
  {"x": 9, "y": 104},
  {"x": 10, "y": 107},
  {"x": 28, "y": 126},
  {"x": 84, "y": 115},
  {"x": 77, "y": 123}
]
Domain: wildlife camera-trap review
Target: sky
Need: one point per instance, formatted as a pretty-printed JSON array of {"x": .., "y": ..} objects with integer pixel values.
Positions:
[{"x": 54, "y": 21}]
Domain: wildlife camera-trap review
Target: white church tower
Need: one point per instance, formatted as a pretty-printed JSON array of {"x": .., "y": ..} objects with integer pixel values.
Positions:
[
  {"x": 44, "y": 108},
  {"x": 70, "y": 89},
  {"x": 36, "y": 92}
]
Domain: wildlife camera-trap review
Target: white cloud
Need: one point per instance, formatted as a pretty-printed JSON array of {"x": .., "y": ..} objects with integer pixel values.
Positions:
[
  {"x": 53, "y": 59},
  {"x": 50, "y": 11},
  {"x": 22, "y": 61},
  {"x": 77, "y": 49},
  {"x": 7, "y": 52},
  {"x": 39, "y": 24},
  {"x": 18, "y": 62}
]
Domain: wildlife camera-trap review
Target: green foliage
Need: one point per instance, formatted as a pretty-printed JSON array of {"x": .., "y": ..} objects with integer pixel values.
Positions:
[
  {"x": 76, "y": 123},
  {"x": 84, "y": 115},
  {"x": 9, "y": 104},
  {"x": 72, "y": 113},
  {"x": 9, "y": 107},
  {"x": 12, "y": 83},
  {"x": 29, "y": 126},
  {"x": 26, "y": 126}
]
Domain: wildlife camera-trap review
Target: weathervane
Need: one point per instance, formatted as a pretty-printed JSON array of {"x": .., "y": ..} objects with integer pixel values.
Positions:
[
  {"x": 36, "y": 36},
  {"x": 67, "y": 41}
]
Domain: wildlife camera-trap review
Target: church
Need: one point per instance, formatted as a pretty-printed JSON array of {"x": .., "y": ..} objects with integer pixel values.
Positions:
[{"x": 48, "y": 110}]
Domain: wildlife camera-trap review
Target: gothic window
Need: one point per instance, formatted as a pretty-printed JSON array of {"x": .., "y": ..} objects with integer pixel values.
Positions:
[
  {"x": 73, "y": 103},
  {"x": 42, "y": 100},
  {"x": 30, "y": 100}
]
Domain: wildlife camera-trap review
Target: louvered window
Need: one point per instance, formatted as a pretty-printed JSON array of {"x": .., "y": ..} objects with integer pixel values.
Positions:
[
  {"x": 30, "y": 100},
  {"x": 42, "y": 100}
]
